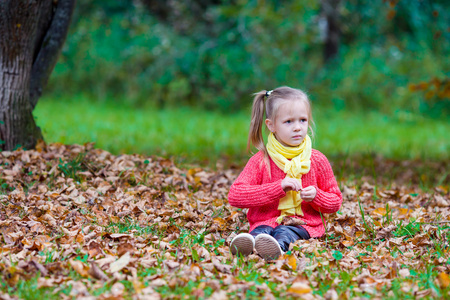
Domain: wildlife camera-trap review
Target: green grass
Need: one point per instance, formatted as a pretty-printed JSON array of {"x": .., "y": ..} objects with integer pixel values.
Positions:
[{"x": 197, "y": 135}]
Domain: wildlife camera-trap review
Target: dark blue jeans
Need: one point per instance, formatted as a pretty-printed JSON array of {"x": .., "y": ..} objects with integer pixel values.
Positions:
[{"x": 283, "y": 234}]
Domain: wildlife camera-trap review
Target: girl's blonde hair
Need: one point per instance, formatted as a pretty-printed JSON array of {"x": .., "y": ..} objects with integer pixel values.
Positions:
[{"x": 269, "y": 109}]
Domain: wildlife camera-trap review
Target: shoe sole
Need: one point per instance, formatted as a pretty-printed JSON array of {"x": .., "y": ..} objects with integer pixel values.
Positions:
[
  {"x": 268, "y": 247},
  {"x": 242, "y": 244}
]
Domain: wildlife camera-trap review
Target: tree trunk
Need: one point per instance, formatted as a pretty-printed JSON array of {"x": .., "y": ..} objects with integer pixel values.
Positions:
[
  {"x": 32, "y": 33},
  {"x": 330, "y": 10},
  {"x": 17, "y": 25}
]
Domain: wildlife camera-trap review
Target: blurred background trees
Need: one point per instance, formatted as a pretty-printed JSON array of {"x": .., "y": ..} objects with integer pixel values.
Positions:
[{"x": 390, "y": 56}]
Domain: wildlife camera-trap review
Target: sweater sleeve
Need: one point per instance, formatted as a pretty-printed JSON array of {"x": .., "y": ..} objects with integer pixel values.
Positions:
[
  {"x": 329, "y": 197},
  {"x": 247, "y": 191}
]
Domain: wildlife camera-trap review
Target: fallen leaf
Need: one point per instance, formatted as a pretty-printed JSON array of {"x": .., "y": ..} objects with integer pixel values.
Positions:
[
  {"x": 300, "y": 288},
  {"x": 290, "y": 261},
  {"x": 385, "y": 232},
  {"x": 291, "y": 221},
  {"x": 124, "y": 248},
  {"x": 221, "y": 267},
  {"x": 79, "y": 267},
  {"x": 40, "y": 267},
  {"x": 440, "y": 201},
  {"x": 172, "y": 264},
  {"x": 404, "y": 272},
  {"x": 444, "y": 280},
  {"x": 380, "y": 211},
  {"x": 117, "y": 289},
  {"x": 121, "y": 263},
  {"x": 96, "y": 273}
]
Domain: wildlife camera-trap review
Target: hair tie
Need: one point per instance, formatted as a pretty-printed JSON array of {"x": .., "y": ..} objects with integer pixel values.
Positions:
[{"x": 268, "y": 93}]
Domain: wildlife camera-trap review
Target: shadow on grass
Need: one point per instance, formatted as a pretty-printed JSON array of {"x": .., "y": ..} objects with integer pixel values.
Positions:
[{"x": 374, "y": 169}]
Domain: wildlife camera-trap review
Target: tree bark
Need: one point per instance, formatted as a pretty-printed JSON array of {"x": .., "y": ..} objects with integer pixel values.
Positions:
[
  {"x": 49, "y": 45},
  {"x": 330, "y": 9},
  {"x": 29, "y": 47}
]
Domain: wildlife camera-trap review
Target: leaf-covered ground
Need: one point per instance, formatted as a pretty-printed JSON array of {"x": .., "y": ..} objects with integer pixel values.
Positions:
[{"x": 78, "y": 222}]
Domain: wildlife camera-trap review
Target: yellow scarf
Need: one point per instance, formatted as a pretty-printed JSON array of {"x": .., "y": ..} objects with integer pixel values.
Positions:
[{"x": 294, "y": 161}]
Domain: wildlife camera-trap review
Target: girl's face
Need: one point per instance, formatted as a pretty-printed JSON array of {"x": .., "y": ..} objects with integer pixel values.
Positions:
[{"x": 291, "y": 123}]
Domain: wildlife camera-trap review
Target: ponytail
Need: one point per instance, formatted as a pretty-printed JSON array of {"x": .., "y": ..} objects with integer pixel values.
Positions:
[{"x": 255, "y": 136}]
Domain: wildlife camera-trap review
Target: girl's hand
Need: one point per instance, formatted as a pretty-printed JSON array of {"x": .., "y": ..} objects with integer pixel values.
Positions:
[
  {"x": 308, "y": 193},
  {"x": 290, "y": 184}
]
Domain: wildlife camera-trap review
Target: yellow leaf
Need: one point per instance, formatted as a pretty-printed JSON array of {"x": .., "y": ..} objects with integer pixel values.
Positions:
[
  {"x": 299, "y": 288},
  {"x": 444, "y": 280},
  {"x": 114, "y": 219},
  {"x": 197, "y": 180},
  {"x": 443, "y": 188},
  {"x": 381, "y": 211},
  {"x": 218, "y": 202},
  {"x": 194, "y": 171},
  {"x": 347, "y": 243},
  {"x": 291, "y": 261},
  {"x": 404, "y": 211},
  {"x": 219, "y": 221}
]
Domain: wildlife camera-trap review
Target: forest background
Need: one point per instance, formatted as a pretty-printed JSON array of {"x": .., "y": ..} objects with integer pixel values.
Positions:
[{"x": 132, "y": 74}]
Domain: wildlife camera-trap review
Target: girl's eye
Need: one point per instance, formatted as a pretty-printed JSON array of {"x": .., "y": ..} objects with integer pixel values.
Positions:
[
  {"x": 304, "y": 120},
  {"x": 288, "y": 121}
]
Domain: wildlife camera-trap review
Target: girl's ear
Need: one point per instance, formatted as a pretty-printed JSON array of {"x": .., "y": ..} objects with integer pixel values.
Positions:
[{"x": 269, "y": 125}]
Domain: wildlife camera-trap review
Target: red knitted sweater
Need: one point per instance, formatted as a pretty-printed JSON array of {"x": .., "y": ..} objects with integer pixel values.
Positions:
[{"x": 260, "y": 192}]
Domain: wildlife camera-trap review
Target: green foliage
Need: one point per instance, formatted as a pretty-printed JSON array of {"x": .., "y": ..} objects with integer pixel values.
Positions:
[
  {"x": 5, "y": 188},
  {"x": 120, "y": 51},
  {"x": 71, "y": 168},
  {"x": 28, "y": 290},
  {"x": 409, "y": 229},
  {"x": 127, "y": 226},
  {"x": 337, "y": 255},
  {"x": 197, "y": 136}
]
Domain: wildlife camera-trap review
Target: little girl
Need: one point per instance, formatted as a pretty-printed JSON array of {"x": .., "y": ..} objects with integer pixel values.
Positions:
[{"x": 286, "y": 186}]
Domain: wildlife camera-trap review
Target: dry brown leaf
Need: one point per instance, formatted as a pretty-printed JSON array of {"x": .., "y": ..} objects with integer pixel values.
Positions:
[
  {"x": 117, "y": 289},
  {"x": 40, "y": 268},
  {"x": 157, "y": 282},
  {"x": 45, "y": 282},
  {"x": 172, "y": 264},
  {"x": 124, "y": 248},
  {"x": 79, "y": 267},
  {"x": 96, "y": 273},
  {"x": 121, "y": 263},
  {"x": 222, "y": 267},
  {"x": 58, "y": 217},
  {"x": 291, "y": 221},
  {"x": 440, "y": 201},
  {"x": 348, "y": 193},
  {"x": 385, "y": 233}
]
